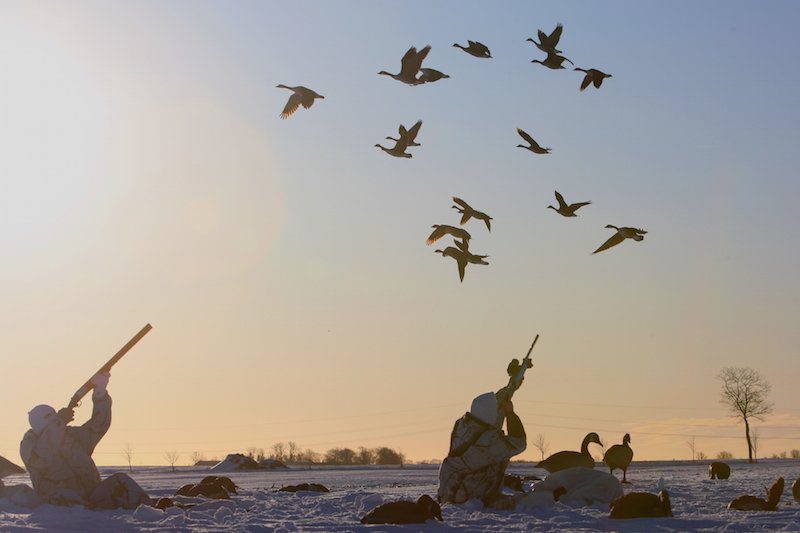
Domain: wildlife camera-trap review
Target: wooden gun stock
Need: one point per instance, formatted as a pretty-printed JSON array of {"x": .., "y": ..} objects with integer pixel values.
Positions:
[{"x": 88, "y": 386}]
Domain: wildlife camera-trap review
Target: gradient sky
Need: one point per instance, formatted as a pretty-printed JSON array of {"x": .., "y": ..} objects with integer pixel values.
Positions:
[{"x": 146, "y": 177}]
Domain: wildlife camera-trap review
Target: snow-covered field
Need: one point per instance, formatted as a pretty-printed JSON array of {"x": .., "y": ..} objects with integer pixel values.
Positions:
[{"x": 698, "y": 503}]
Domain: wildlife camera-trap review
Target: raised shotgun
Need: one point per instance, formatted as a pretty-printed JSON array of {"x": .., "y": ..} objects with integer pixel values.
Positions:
[
  {"x": 516, "y": 374},
  {"x": 84, "y": 390}
]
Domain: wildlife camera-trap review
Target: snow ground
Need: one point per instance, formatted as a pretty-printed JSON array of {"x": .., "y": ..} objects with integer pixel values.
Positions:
[{"x": 698, "y": 503}]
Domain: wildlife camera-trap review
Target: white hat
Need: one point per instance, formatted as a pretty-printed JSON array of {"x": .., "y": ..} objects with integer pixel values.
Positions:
[
  {"x": 484, "y": 407},
  {"x": 40, "y": 417}
]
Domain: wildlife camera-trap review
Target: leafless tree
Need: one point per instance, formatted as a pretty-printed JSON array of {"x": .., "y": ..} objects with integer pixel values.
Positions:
[
  {"x": 692, "y": 447},
  {"x": 754, "y": 437},
  {"x": 723, "y": 455},
  {"x": 127, "y": 452},
  {"x": 196, "y": 457},
  {"x": 701, "y": 456},
  {"x": 744, "y": 393},
  {"x": 172, "y": 458},
  {"x": 279, "y": 451},
  {"x": 292, "y": 451},
  {"x": 795, "y": 454},
  {"x": 541, "y": 444}
]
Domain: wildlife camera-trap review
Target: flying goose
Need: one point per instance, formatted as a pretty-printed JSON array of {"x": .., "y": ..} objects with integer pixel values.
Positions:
[
  {"x": 564, "y": 209},
  {"x": 553, "y": 61},
  {"x": 430, "y": 75},
  {"x": 534, "y": 146},
  {"x": 641, "y": 505},
  {"x": 548, "y": 43},
  {"x": 468, "y": 212},
  {"x": 592, "y": 76},
  {"x": 752, "y": 503},
  {"x": 408, "y": 135},
  {"x": 620, "y": 456},
  {"x": 621, "y": 234},
  {"x": 398, "y": 150},
  {"x": 409, "y": 66},
  {"x": 568, "y": 459},
  {"x": 440, "y": 230},
  {"x": 462, "y": 256},
  {"x": 302, "y": 96},
  {"x": 405, "y": 512},
  {"x": 474, "y": 48}
]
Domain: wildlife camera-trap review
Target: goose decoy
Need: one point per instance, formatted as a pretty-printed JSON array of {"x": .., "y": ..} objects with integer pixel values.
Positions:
[
  {"x": 641, "y": 505},
  {"x": 302, "y": 96},
  {"x": 548, "y": 43},
  {"x": 409, "y": 66},
  {"x": 553, "y": 61},
  {"x": 564, "y": 209},
  {"x": 410, "y": 135},
  {"x": 398, "y": 150},
  {"x": 568, "y": 459},
  {"x": 405, "y": 512},
  {"x": 719, "y": 470},
  {"x": 796, "y": 489},
  {"x": 430, "y": 75},
  {"x": 462, "y": 256},
  {"x": 222, "y": 481},
  {"x": 440, "y": 230},
  {"x": 622, "y": 233},
  {"x": 468, "y": 212},
  {"x": 752, "y": 503},
  {"x": 474, "y": 48},
  {"x": 534, "y": 146},
  {"x": 620, "y": 456},
  {"x": 592, "y": 76},
  {"x": 305, "y": 487}
]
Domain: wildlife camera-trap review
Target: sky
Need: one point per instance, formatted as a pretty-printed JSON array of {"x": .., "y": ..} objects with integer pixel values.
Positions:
[{"x": 147, "y": 177}]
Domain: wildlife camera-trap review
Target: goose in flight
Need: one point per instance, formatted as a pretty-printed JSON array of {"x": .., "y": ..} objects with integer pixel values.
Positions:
[
  {"x": 430, "y": 75},
  {"x": 302, "y": 96},
  {"x": 548, "y": 43},
  {"x": 398, "y": 150},
  {"x": 592, "y": 76},
  {"x": 474, "y": 48},
  {"x": 440, "y": 230},
  {"x": 410, "y": 135},
  {"x": 409, "y": 66},
  {"x": 462, "y": 257},
  {"x": 622, "y": 233},
  {"x": 534, "y": 146},
  {"x": 468, "y": 212},
  {"x": 564, "y": 209},
  {"x": 553, "y": 61}
]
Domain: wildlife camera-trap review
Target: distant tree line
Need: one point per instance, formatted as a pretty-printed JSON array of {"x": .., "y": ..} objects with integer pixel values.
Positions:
[{"x": 290, "y": 453}]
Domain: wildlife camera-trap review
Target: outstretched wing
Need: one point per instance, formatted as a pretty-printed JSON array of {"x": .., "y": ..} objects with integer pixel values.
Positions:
[
  {"x": 461, "y": 202},
  {"x": 438, "y": 233},
  {"x": 462, "y": 245},
  {"x": 527, "y": 137},
  {"x": 586, "y": 81},
  {"x": 613, "y": 241},
  {"x": 412, "y": 133},
  {"x": 291, "y": 106},
  {"x": 412, "y": 61},
  {"x": 579, "y": 205},
  {"x": 462, "y": 267},
  {"x": 598, "y": 80},
  {"x": 556, "y": 35},
  {"x": 561, "y": 203}
]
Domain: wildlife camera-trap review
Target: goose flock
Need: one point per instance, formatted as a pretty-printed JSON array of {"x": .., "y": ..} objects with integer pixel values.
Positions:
[{"x": 412, "y": 73}]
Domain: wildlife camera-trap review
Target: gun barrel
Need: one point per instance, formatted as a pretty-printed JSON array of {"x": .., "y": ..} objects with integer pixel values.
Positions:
[{"x": 84, "y": 390}]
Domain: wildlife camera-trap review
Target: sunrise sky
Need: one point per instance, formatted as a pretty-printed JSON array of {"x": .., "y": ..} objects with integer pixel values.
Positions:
[{"x": 147, "y": 177}]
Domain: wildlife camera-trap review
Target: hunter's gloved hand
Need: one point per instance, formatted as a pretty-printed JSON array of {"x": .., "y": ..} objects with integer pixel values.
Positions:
[{"x": 100, "y": 382}]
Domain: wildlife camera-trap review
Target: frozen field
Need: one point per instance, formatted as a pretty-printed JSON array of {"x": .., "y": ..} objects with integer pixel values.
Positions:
[{"x": 698, "y": 503}]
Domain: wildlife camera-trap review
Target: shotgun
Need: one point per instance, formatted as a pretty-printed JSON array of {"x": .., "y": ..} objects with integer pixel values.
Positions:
[
  {"x": 516, "y": 372},
  {"x": 84, "y": 390}
]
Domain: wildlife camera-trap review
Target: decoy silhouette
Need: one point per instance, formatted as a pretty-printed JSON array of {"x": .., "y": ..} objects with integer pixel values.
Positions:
[
  {"x": 719, "y": 470},
  {"x": 302, "y": 96},
  {"x": 548, "y": 43},
  {"x": 409, "y": 66},
  {"x": 462, "y": 256},
  {"x": 410, "y": 135},
  {"x": 553, "y": 61},
  {"x": 440, "y": 230},
  {"x": 534, "y": 146},
  {"x": 622, "y": 233},
  {"x": 564, "y": 209},
  {"x": 620, "y": 456},
  {"x": 641, "y": 505},
  {"x": 592, "y": 76},
  {"x": 468, "y": 212},
  {"x": 405, "y": 512},
  {"x": 430, "y": 75},
  {"x": 474, "y": 48},
  {"x": 568, "y": 459},
  {"x": 398, "y": 150},
  {"x": 752, "y": 503}
]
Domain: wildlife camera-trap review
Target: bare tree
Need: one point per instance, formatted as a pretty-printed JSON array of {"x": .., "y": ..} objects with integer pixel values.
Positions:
[
  {"x": 292, "y": 451},
  {"x": 541, "y": 444},
  {"x": 723, "y": 455},
  {"x": 701, "y": 456},
  {"x": 196, "y": 457},
  {"x": 692, "y": 447},
  {"x": 754, "y": 438},
  {"x": 279, "y": 451},
  {"x": 127, "y": 452},
  {"x": 172, "y": 458},
  {"x": 744, "y": 393}
]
